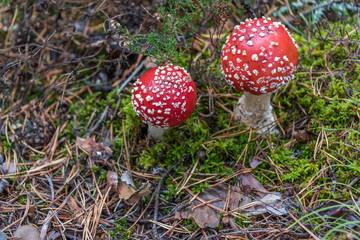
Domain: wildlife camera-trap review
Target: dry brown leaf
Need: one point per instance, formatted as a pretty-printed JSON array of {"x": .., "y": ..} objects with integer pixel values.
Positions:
[
  {"x": 127, "y": 190},
  {"x": 97, "y": 151},
  {"x": 144, "y": 190},
  {"x": 85, "y": 144},
  {"x": 301, "y": 136},
  {"x": 75, "y": 209},
  {"x": 206, "y": 216},
  {"x": 248, "y": 181},
  {"x": 112, "y": 180},
  {"x": 28, "y": 232}
]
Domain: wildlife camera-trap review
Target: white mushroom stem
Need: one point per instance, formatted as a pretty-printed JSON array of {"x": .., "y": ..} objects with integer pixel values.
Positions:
[
  {"x": 256, "y": 111},
  {"x": 156, "y": 133}
]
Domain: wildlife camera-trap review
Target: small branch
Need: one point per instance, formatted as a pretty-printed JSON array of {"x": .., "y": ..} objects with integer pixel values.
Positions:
[
  {"x": 117, "y": 107},
  {"x": 102, "y": 118},
  {"x": 50, "y": 213},
  {"x": 123, "y": 85},
  {"x": 156, "y": 207},
  {"x": 303, "y": 226}
]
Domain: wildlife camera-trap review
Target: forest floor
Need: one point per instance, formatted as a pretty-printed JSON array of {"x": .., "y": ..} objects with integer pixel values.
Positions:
[{"x": 76, "y": 161}]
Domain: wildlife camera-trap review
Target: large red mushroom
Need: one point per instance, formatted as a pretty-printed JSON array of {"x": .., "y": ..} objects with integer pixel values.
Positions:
[
  {"x": 164, "y": 97},
  {"x": 258, "y": 57}
]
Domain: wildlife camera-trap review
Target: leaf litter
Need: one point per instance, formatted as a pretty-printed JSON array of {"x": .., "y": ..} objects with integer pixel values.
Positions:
[
  {"x": 230, "y": 201},
  {"x": 126, "y": 187},
  {"x": 59, "y": 63}
]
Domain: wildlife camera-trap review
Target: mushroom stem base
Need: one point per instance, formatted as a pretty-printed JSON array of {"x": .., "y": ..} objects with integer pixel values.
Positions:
[
  {"x": 156, "y": 133},
  {"x": 256, "y": 111}
]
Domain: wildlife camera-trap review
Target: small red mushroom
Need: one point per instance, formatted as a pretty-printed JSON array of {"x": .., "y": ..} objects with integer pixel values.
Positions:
[
  {"x": 164, "y": 97},
  {"x": 258, "y": 57}
]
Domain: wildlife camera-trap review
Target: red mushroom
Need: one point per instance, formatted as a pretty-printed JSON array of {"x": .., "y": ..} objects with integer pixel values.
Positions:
[
  {"x": 164, "y": 97},
  {"x": 258, "y": 57}
]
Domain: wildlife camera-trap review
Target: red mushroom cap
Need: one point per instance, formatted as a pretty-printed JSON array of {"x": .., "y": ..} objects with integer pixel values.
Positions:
[
  {"x": 164, "y": 96},
  {"x": 259, "y": 56}
]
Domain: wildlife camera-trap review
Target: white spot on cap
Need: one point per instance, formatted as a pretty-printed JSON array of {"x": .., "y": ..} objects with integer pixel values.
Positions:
[
  {"x": 285, "y": 58},
  {"x": 262, "y": 34},
  {"x": 241, "y": 38},
  {"x": 254, "y": 29},
  {"x": 250, "y": 43},
  {"x": 276, "y": 59},
  {"x": 254, "y": 57},
  {"x": 246, "y": 67},
  {"x": 273, "y": 85},
  {"x": 277, "y": 24},
  {"x": 176, "y": 105},
  {"x": 225, "y": 58},
  {"x": 263, "y": 89}
]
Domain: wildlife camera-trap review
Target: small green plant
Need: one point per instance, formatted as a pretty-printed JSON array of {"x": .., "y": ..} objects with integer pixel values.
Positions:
[
  {"x": 121, "y": 230},
  {"x": 102, "y": 174},
  {"x": 312, "y": 11},
  {"x": 5, "y": 144},
  {"x": 176, "y": 22}
]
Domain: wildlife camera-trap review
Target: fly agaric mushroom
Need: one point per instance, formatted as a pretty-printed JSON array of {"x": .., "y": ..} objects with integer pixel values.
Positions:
[
  {"x": 258, "y": 57},
  {"x": 164, "y": 97}
]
